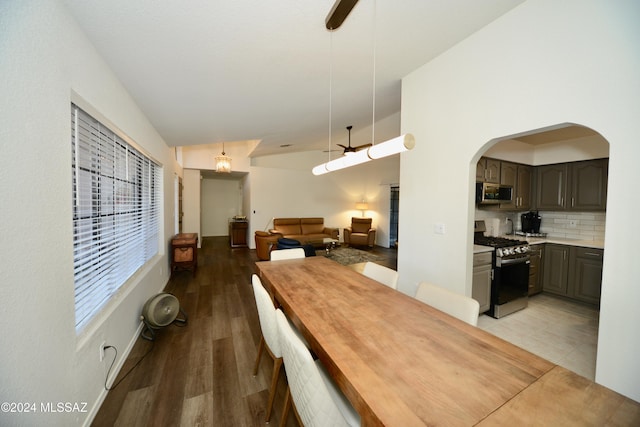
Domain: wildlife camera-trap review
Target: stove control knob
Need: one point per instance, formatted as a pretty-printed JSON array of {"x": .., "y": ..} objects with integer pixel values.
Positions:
[
  {"x": 518, "y": 250},
  {"x": 499, "y": 252}
]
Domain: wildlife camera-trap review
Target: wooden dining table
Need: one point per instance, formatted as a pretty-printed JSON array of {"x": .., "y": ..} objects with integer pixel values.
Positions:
[{"x": 401, "y": 362}]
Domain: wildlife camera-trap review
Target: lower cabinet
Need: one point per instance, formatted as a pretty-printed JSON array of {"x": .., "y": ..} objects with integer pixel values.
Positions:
[
  {"x": 585, "y": 276},
  {"x": 574, "y": 272},
  {"x": 481, "y": 285},
  {"x": 535, "y": 269}
]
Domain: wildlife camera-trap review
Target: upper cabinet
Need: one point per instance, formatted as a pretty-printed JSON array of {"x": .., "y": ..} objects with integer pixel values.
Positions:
[
  {"x": 578, "y": 186},
  {"x": 488, "y": 170},
  {"x": 519, "y": 177}
]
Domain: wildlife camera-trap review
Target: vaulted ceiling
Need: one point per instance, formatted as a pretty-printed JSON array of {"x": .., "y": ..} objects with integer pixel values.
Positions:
[{"x": 207, "y": 71}]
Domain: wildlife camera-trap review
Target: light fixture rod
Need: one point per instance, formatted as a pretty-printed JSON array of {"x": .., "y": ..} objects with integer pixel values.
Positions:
[{"x": 339, "y": 13}]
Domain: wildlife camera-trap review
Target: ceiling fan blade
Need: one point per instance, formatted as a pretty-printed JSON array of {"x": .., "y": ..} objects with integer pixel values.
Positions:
[{"x": 343, "y": 146}]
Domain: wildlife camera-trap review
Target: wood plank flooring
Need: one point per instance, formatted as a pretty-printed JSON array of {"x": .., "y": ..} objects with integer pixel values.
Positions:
[{"x": 201, "y": 374}]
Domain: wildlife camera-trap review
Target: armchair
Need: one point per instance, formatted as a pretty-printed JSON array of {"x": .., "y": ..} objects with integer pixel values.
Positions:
[
  {"x": 360, "y": 232},
  {"x": 264, "y": 243}
]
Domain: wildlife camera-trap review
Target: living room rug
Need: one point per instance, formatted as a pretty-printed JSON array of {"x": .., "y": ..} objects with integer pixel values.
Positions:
[{"x": 348, "y": 256}]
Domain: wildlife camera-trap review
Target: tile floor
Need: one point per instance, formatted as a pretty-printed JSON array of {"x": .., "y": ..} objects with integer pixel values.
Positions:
[{"x": 559, "y": 330}]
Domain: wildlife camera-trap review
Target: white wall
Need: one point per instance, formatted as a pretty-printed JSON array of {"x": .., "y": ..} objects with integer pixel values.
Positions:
[
  {"x": 45, "y": 59},
  {"x": 221, "y": 200},
  {"x": 191, "y": 203},
  {"x": 542, "y": 64},
  {"x": 278, "y": 192}
]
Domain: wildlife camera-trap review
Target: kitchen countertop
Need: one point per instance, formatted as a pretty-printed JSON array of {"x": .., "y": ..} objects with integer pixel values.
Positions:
[{"x": 479, "y": 249}]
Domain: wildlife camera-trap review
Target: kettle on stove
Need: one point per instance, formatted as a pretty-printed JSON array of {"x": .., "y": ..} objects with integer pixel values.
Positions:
[{"x": 530, "y": 222}]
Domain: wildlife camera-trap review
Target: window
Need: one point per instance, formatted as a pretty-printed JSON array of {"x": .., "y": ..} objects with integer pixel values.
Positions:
[{"x": 116, "y": 212}]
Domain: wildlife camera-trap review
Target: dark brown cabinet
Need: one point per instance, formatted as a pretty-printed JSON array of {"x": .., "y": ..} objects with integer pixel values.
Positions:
[
  {"x": 579, "y": 186},
  {"x": 519, "y": 177},
  {"x": 238, "y": 234},
  {"x": 574, "y": 272},
  {"x": 588, "y": 185},
  {"x": 535, "y": 269},
  {"x": 556, "y": 269},
  {"x": 585, "y": 274},
  {"x": 488, "y": 170}
]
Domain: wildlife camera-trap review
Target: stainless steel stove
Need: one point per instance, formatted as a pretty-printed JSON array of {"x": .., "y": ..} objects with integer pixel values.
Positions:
[{"x": 510, "y": 284}]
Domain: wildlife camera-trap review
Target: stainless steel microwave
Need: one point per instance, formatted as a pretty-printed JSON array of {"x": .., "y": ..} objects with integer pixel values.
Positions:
[{"x": 490, "y": 194}]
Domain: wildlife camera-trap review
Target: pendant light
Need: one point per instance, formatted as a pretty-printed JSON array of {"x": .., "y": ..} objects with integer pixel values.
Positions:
[
  {"x": 376, "y": 151},
  {"x": 223, "y": 162}
]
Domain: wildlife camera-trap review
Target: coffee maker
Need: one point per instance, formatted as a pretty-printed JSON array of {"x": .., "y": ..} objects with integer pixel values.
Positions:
[{"x": 530, "y": 222}]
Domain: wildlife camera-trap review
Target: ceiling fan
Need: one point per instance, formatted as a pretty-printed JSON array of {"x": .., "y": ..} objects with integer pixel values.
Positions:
[{"x": 349, "y": 149}]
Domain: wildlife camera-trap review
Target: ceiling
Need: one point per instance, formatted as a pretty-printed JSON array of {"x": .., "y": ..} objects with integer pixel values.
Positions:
[
  {"x": 208, "y": 71},
  {"x": 557, "y": 135}
]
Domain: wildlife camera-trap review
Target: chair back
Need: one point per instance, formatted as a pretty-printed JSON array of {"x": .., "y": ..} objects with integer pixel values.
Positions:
[
  {"x": 456, "y": 305},
  {"x": 382, "y": 274},
  {"x": 311, "y": 395},
  {"x": 360, "y": 225},
  {"x": 281, "y": 254},
  {"x": 267, "y": 316}
]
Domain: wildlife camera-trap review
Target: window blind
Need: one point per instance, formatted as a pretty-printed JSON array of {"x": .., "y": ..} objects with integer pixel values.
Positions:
[{"x": 116, "y": 212}]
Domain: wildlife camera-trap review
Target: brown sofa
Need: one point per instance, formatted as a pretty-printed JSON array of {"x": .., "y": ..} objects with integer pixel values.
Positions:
[{"x": 305, "y": 230}]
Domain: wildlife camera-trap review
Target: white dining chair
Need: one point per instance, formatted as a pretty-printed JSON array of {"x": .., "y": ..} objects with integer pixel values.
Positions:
[
  {"x": 457, "y": 305},
  {"x": 317, "y": 400},
  {"x": 382, "y": 274},
  {"x": 281, "y": 254},
  {"x": 270, "y": 337}
]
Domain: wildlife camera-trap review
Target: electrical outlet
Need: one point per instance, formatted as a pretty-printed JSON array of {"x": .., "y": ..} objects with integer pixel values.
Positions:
[
  {"x": 102, "y": 346},
  {"x": 573, "y": 223}
]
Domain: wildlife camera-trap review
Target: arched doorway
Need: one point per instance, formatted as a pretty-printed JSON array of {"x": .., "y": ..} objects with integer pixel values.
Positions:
[{"x": 559, "y": 324}]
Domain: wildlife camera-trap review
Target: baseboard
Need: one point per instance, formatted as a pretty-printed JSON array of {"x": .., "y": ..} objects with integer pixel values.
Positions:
[{"x": 114, "y": 374}]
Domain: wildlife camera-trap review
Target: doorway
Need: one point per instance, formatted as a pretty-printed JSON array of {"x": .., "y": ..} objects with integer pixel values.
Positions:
[
  {"x": 548, "y": 317},
  {"x": 393, "y": 216}
]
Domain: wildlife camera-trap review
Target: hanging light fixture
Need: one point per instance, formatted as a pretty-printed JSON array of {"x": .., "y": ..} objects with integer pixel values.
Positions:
[
  {"x": 223, "y": 162},
  {"x": 393, "y": 146}
]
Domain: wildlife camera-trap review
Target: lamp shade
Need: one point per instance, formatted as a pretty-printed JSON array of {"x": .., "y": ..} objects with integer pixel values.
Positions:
[{"x": 362, "y": 206}]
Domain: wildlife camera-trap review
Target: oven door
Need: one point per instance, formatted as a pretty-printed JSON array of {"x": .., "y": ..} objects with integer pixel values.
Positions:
[{"x": 510, "y": 287}]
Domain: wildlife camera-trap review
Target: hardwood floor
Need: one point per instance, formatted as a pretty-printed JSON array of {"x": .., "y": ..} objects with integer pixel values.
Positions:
[{"x": 201, "y": 374}]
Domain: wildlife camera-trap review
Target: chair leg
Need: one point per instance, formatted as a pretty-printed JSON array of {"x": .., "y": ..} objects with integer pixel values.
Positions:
[
  {"x": 287, "y": 406},
  {"x": 277, "y": 365},
  {"x": 260, "y": 349}
]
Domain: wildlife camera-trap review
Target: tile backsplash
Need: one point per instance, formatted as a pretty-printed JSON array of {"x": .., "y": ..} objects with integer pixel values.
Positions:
[{"x": 568, "y": 225}]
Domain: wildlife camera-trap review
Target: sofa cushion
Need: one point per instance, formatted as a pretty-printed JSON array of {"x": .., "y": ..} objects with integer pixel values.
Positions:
[
  {"x": 312, "y": 225},
  {"x": 287, "y": 226}
]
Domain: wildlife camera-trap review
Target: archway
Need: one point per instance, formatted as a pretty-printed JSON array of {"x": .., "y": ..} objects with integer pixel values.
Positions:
[{"x": 569, "y": 226}]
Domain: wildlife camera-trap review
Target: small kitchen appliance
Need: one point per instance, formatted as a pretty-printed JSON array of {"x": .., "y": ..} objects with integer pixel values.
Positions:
[{"x": 530, "y": 222}]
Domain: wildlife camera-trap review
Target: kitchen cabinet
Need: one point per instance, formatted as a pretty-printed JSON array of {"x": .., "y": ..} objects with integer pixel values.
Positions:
[
  {"x": 556, "y": 269},
  {"x": 488, "y": 170},
  {"x": 535, "y": 268},
  {"x": 585, "y": 274},
  {"x": 574, "y": 272},
  {"x": 519, "y": 177},
  {"x": 481, "y": 284},
  {"x": 578, "y": 186},
  {"x": 588, "y": 184}
]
